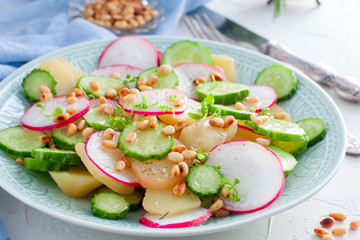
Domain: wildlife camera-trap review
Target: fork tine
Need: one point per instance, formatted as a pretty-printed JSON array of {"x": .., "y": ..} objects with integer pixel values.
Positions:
[
  {"x": 193, "y": 25},
  {"x": 217, "y": 35}
]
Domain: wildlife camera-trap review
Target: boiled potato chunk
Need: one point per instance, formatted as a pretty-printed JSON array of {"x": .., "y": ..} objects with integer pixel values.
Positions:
[
  {"x": 76, "y": 182},
  {"x": 202, "y": 135},
  {"x": 164, "y": 202},
  {"x": 71, "y": 67},
  {"x": 227, "y": 64},
  {"x": 99, "y": 175}
]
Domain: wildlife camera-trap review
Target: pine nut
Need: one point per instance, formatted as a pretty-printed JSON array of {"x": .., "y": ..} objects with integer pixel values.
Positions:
[
  {"x": 78, "y": 92},
  {"x": 130, "y": 98},
  {"x": 108, "y": 144},
  {"x": 101, "y": 108},
  {"x": 198, "y": 81},
  {"x": 281, "y": 116},
  {"x": 115, "y": 75},
  {"x": 61, "y": 117},
  {"x": 179, "y": 102},
  {"x": 123, "y": 92},
  {"x": 239, "y": 106},
  {"x": 45, "y": 96},
  {"x": 180, "y": 126},
  {"x": 327, "y": 222},
  {"x": 184, "y": 168},
  {"x": 228, "y": 121},
  {"x": 130, "y": 138},
  {"x": 216, "y": 76},
  {"x": 221, "y": 213},
  {"x": 327, "y": 237},
  {"x": 45, "y": 138},
  {"x": 126, "y": 114},
  {"x": 71, "y": 129},
  {"x": 355, "y": 224},
  {"x": 216, "y": 122},
  {"x": 178, "y": 148},
  {"x": 108, "y": 134},
  {"x": 189, "y": 154},
  {"x": 168, "y": 130},
  {"x": 338, "y": 216},
  {"x": 111, "y": 93},
  {"x": 320, "y": 232},
  {"x": 87, "y": 132},
  {"x": 255, "y": 119},
  {"x": 120, "y": 166},
  {"x": 81, "y": 125},
  {"x": 138, "y": 117},
  {"x": 153, "y": 122},
  {"x": 252, "y": 100},
  {"x": 142, "y": 125},
  {"x": 264, "y": 118},
  {"x": 71, "y": 100},
  {"x": 53, "y": 146},
  {"x": 175, "y": 157},
  {"x": 152, "y": 80},
  {"x": 108, "y": 109},
  {"x": 224, "y": 193},
  {"x": 144, "y": 88},
  {"x": 263, "y": 141},
  {"x": 141, "y": 81},
  {"x": 134, "y": 91},
  {"x": 44, "y": 89},
  {"x": 339, "y": 231},
  {"x": 217, "y": 205},
  {"x": 179, "y": 189},
  {"x": 102, "y": 100},
  {"x": 71, "y": 110},
  {"x": 165, "y": 69},
  {"x": 175, "y": 171},
  {"x": 72, "y": 94},
  {"x": 119, "y": 87},
  {"x": 94, "y": 86},
  {"x": 20, "y": 161}
]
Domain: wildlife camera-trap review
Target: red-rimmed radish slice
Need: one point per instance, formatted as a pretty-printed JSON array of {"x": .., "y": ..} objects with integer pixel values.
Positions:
[
  {"x": 132, "y": 50},
  {"x": 187, "y": 219},
  {"x": 159, "y": 55},
  {"x": 188, "y": 72},
  {"x": 95, "y": 102},
  {"x": 259, "y": 170},
  {"x": 34, "y": 118},
  {"x": 266, "y": 94},
  {"x": 105, "y": 159},
  {"x": 164, "y": 97},
  {"x": 246, "y": 133}
]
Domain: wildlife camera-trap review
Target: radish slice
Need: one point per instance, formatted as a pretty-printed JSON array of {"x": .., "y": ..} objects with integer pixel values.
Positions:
[
  {"x": 187, "y": 219},
  {"x": 247, "y": 128},
  {"x": 266, "y": 94},
  {"x": 258, "y": 169},
  {"x": 188, "y": 72},
  {"x": 164, "y": 98},
  {"x": 95, "y": 102},
  {"x": 35, "y": 119},
  {"x": 159, "y": 55},
  {"x": 132, "y": 50},
  {"x": 106, "y": 159}
]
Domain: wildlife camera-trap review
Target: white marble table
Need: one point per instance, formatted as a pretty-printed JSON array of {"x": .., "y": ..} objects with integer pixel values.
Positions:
[{"x": 328, "y": 34}]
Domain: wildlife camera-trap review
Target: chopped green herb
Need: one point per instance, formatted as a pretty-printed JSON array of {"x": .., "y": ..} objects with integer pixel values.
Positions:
[
  {"x": 231, "y": 187},
  {"x": 119, "y": 122},
  {"x": 143, "y": 104},
  {"x": 172, "y": 97},
  {"x": 204, "y": 110}
]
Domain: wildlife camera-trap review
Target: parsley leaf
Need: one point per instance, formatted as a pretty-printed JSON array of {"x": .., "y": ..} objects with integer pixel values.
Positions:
[
  {"x": 231, "y": 187},
  {"x": 204, "y": 110},
  {"x": 143, "y": 104},
  {"x": 118, "y": 122}
]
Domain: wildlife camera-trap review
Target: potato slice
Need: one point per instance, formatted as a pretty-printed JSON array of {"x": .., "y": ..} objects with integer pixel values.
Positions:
[
  {"x": 164, "y": 202},
  {"x": 275, "y": 109},
  {"x": 227, "y": 64},
  {"x": 71, "y": 67}
]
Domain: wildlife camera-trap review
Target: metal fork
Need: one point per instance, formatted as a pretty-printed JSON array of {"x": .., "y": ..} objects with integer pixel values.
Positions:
[{"x": 201, "y": 27}]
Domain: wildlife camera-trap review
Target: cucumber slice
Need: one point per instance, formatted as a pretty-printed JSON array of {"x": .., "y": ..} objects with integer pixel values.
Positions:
[
  {"x": 279, "y": 130},
  {"x": 186, "y": 51},
  {"x": 64, "y": 140},
  {"x": 287, "y": 160},
  {"x": 34, "y": 80},
  {"x": 97, "y": 120},
  {"x": 314, "y": 128},
  {"x": 204, "y": 180},
  {"x": 230, "y": 110},
  {"x": 164, "y": 81},
  {"x": 135, "y": 200},
  {"x": 227, "y": 93},
  {"x": 150, "y": 144},
  {"x": 44, "y": 166},
  {"x": 19, "y": 141},
  {"x": 282, "y": 79},
  {"x": 56, "y": 155},
  {"x": 109, "y": 205},
  {"x": 294, "y": 148},
  {"x": 104, "y": 83}
]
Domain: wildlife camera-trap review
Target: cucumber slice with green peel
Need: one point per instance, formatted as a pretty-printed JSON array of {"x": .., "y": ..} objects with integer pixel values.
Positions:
[
  {"x": 109, "y": 205},
  {"x": 288, "y": 161},
  {"x": 205, "y": 180},
  {"x": 294, "y": 148},
  {"x": 279, "y": 130},
  {"x": 135, "y": 200},
  {"x": 150, "y": 144},
  {"x": 231, "y": 110},
  {"x": 164, "y": 81},
  {"x": 64, "y": 140},
  {"x": 34, "y": 80},
  {"x": 44, "y": 166},
  {"x": 314, "y": 128},
  {"x": 186, "y": 51},
  {"x": 226, "y": 93},
  {"x": 282, "y": 79},
  {"x": 104, "y": 83},
  {"x": 56, "y": 155},
  {"x": 97, "y": 120},
  {"x": 19, "y": 141}
]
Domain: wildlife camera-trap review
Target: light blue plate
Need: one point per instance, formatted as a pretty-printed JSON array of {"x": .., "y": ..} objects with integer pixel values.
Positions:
[{"x": 316, "y": 166}]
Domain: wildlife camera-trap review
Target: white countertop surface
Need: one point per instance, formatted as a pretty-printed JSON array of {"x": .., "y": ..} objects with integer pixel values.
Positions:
[{"x": 329, "y": 34}]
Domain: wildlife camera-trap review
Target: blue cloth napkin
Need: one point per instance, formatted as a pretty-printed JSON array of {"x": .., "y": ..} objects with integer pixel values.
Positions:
[{"x": 31, "y": 28}]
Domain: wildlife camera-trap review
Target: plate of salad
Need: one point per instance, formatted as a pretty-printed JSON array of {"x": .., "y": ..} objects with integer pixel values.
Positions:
[{"x": 156, "y": 136}]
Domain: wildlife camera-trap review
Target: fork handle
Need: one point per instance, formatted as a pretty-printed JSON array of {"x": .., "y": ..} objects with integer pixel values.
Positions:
[{"x": 345, "y": 86}]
